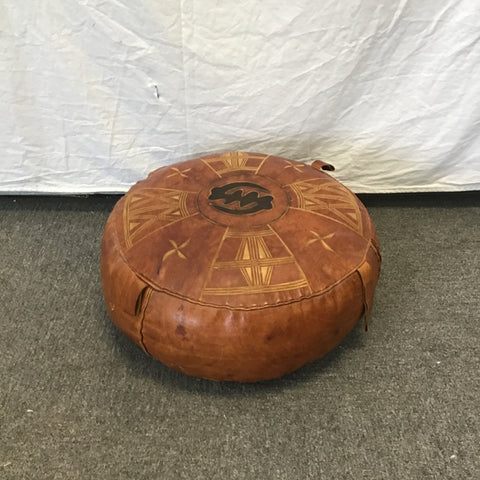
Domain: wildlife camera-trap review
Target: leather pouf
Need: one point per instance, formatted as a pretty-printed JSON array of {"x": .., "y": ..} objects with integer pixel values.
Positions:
[{"x": 239, "y": 266}]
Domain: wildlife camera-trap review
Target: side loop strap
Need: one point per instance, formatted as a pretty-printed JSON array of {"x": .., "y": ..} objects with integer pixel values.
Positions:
[
  {"x": 323, "y": 166},
  {"x": 365, "y": 274}
]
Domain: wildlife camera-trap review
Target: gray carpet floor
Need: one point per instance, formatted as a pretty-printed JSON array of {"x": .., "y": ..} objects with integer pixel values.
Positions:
[{"x": 80, "y": 401}]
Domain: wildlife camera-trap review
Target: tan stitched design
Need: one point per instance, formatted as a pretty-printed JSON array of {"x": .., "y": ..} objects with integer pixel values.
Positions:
[
  {"x": 256, "y": 263},
  {"x": 325, "y": 198},
  {"x": 235, "y": 161},
  {"x": 153, "y": 205}
]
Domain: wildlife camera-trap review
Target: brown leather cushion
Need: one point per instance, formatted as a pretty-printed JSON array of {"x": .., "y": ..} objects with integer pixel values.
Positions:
[{"x": 239, "y": 266}]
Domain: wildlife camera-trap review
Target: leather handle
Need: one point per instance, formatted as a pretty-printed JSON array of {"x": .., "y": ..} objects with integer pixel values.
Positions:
[
  {"x": 368, "y": 272},
  {"x": 323, "y": 166}
]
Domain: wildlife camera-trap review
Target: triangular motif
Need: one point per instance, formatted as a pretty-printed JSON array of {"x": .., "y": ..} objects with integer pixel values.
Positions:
[
  {"x": 326, "y": 198},
  {"x": 253, "y": 267},
  {"x": 235, "y": 161},
  {"x": 252, "y": 251},
  {"x": 153, "y": 205}
]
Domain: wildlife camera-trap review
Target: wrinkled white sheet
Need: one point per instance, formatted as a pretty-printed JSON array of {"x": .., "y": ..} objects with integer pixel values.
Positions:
[{"x": 95, "y": 94}]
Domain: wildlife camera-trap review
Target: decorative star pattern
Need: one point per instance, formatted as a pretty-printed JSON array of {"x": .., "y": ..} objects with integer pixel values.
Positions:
[
  {"x": 322, "y": 240},
  {"x": 176, "y": 249}
]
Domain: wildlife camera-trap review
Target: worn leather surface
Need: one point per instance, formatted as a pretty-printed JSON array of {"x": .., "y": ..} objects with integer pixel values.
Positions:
[{"x": 239, "y": 266}]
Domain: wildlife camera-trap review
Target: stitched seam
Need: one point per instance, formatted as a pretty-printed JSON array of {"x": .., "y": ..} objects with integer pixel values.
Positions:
[
  {"x": 366, "y": 308},
  {"x": 146, "y": 300},
  {"x": 259, "y": 307}
]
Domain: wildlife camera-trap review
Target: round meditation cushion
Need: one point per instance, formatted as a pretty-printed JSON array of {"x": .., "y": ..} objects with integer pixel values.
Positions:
[{"x": 239, "y": 266}]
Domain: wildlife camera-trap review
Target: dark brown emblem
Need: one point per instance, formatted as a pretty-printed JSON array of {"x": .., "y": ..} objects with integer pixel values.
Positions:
[{"x": 240, "y": 198}]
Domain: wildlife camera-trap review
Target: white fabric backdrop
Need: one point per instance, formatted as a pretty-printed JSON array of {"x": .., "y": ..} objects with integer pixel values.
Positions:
[{"x": 95, "y": 94}]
